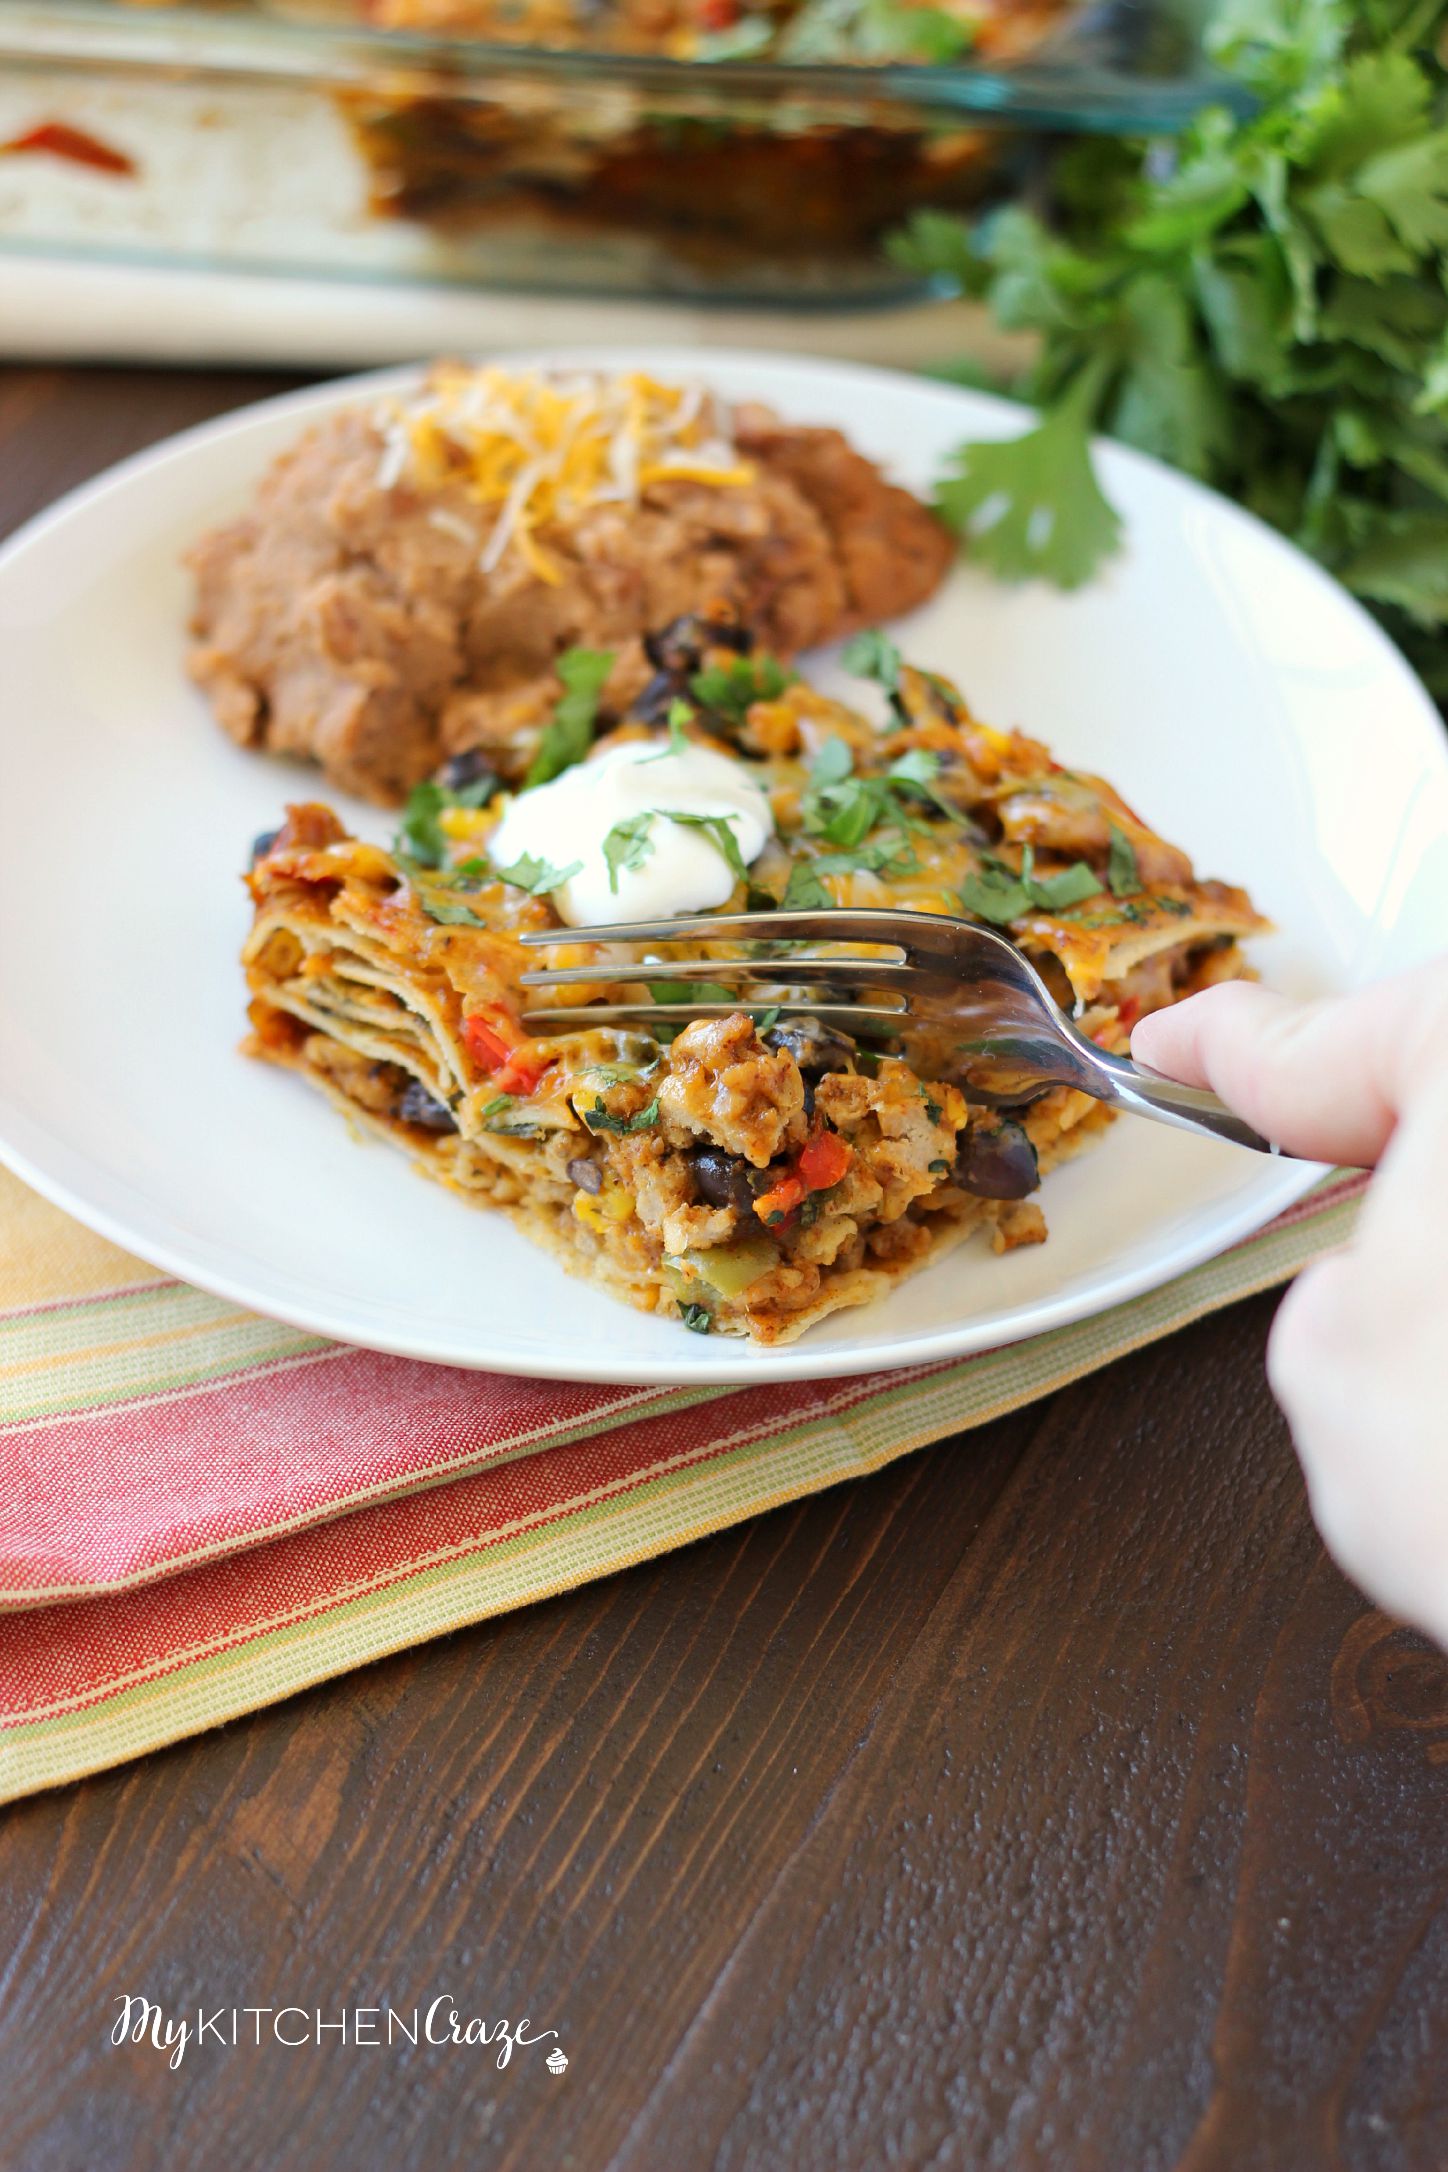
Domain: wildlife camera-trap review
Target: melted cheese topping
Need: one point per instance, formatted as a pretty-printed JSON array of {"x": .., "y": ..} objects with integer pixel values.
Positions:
[
  {"x": 542, "y": 449},
  {"x": 660, "y": 866}
]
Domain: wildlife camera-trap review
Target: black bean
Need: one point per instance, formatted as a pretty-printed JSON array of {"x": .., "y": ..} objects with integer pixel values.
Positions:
[
  {"x": 727, "y": 1180},
  {"x": 814, "y": 1047},
  {"x": 586, "y": 1174},
  {"x": 469, "y": 768},
  {"x": 419, "y": 1107},
  {"x": 680, "y": 646},
  {"x": 997, "y": 1160},
  {"x": 262, "y": 845},
  {"x": 658, "y": 698}
]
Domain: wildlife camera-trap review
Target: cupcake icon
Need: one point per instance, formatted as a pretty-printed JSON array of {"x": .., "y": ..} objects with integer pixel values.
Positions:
[{"x": 557, "y": 2061}]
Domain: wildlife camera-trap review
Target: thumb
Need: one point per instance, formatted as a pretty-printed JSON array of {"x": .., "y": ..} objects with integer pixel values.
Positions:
[{"x": 1326, "y": 1080}]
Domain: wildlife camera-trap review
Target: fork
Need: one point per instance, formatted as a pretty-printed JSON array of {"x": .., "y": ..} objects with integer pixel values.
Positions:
[{"x": 1015, "y": 1043}]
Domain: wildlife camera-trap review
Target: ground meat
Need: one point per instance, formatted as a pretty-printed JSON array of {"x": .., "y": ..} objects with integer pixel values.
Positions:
[
  {"x": 891, "y": 553},
  {"x": 376, "y": 1087},
  {"x": 354, "y": 624},
  {"x": 724, "y": 1085},
  {"x": 903, "y": 1133}
]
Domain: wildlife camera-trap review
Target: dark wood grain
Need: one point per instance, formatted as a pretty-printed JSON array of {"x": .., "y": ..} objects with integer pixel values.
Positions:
[{"x": 1047, "y": 1800}]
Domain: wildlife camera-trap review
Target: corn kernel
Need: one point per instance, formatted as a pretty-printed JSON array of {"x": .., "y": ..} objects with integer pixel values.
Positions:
[{"x": 460, "y": 823}]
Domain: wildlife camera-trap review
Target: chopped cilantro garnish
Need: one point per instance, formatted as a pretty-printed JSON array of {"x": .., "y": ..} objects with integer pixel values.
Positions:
[
  {"x": 873, "y": 655},
  {"x": 601, "y": 1118},
  {"x": 916, "y": 772},
  {"x": 1122, "y": 872},
  {"x": 843, "y": 808},
  {"x": 509, "y": 1118},
  {"x": 420, "y": 835},
  {"x": 568, "y": 735},
  {"x": 680, "y": 714},
  {"x": 1067, "y": 887},
  {"x": 731, "y": 689},
  {"x": 691, "y": 992},
  {"x": 536, "y": 876},
  {"x": 997, "y": 893},
  {"x": 926, "y": 33},
  {"x": 697, "y": 1319},
  {"x": 805, "y": 892},
  {"x": 448, "y": 911},
  {"x": 832, "y": 764},
  {"x": 892, "y": 857},
  {"x": 627, "y": 845},
  {"x": 719, "y": 833}
]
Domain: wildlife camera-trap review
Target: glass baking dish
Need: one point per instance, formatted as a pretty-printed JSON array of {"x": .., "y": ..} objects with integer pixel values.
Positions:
[{"x": 297, "y": 138}]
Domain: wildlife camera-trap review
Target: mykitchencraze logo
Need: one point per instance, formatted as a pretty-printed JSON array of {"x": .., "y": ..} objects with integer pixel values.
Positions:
[{"x": 366, "y": 2028}]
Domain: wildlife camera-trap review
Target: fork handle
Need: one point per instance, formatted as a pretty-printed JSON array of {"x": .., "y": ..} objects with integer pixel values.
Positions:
[{"x": 1128, "y": 1085}]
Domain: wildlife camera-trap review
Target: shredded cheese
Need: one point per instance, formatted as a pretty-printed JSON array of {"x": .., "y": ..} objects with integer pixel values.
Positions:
[{"x": 539, "y": 450}]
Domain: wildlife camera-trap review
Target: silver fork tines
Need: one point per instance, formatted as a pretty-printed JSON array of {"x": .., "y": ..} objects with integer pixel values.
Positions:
[{"x": 996, "y": 1024}]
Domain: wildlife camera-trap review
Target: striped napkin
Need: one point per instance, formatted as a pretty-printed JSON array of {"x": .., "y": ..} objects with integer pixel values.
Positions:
[{"x": 202, "y": 1511}]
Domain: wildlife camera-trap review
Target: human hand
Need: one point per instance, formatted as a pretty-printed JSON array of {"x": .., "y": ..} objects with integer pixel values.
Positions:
[{"x": 1358, "y": 1356}]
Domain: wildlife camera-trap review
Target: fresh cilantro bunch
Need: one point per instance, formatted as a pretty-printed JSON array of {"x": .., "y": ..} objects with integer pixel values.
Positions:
[{"x": 1262, "y": 304}]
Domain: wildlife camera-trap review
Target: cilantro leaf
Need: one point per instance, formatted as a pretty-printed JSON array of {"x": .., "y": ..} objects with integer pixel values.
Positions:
[
  {"x": 805, "y": 891},
  {"x": 832, "y": 764},
  {"x": 873, "y": 655},
  {"x": 1266, "y": 305},
  {"x": 997, "y": 893},
  {"x": 420, "y": 833},
  {"x": 1404, "y": 562},
  {"x": 601, "y": 1118},
  {"x": 1067, "y": 887},
  {"x": 696, "y": 1318},
  {"x": 916, "y": 772},
  {"x": 731, "y": 689},
  {"x": 568, "y": 735},
  {"x": 720, "y": 833},
  {"x": 536, "y": 876},
  {"x": 892, "y": 857},
  {"x": 1032, "y": 504},
  {"x": 692, "y": 991},
  {"x": 932, "y": 34},
  {"x": 448, "y": 912},
  {"x": 627, "y": 845},
  {"x": 994, "y": 894},
  {"x": 680, "y": 714},
  {"x": 1122, "y": 872}
]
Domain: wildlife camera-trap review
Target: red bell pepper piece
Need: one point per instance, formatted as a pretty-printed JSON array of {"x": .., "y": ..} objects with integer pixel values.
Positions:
[
  {"x": 821, "y": 1162},
  {"x": 489, "y": 1048}
]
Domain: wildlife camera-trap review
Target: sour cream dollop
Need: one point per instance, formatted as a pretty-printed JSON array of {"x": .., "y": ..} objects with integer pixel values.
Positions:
[{"x": 677, "y": 867}]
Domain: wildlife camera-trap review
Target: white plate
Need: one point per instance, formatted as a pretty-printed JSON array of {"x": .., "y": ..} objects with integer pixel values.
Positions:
[{"x": 1224, "y": 684}]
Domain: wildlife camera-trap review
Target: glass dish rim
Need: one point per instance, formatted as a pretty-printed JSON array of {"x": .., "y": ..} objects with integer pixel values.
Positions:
[{"x": 1060, "y": 94}]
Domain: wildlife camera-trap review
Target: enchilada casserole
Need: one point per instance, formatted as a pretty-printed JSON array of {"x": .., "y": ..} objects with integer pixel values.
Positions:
[{"x": 745, "y": 1172}]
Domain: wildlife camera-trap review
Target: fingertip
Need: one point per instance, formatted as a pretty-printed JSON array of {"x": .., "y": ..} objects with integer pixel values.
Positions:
[
  {"x": 1186, "y": 1040},
  {"x": 1163, "y": 1042}
]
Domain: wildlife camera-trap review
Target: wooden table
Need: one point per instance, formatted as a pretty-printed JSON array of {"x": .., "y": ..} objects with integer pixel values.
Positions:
[{"x": 1048, "y": 1800}]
